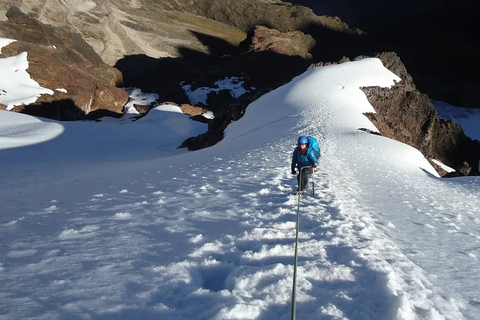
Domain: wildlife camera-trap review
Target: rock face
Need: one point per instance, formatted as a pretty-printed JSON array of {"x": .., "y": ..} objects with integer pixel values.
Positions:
[
  {"x": 170, "y": 28},
  {"x": 292, "y": 43},
  {"x": 404, "y": 114},
  {"x": 62, "y": 60},
  {"x": 245, "y": 14}
]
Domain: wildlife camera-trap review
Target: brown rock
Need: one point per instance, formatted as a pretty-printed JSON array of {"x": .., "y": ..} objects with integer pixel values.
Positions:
[
  {"x": 63, "y": 60},
  {"x": 245, "y": 14},
  {"x": 192, "y": 110},
  {"x": 292, "y": 43},
  {"x": 404, "y": 114}
]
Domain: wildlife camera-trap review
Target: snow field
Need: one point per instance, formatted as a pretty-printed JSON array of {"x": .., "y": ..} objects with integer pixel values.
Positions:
[{"x": 145, "y": 231}]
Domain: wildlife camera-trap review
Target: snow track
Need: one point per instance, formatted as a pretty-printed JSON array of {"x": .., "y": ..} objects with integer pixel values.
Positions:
[{"x": 227, "y": 235}]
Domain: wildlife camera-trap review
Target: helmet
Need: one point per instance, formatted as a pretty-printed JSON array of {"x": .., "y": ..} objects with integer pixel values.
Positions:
[{"x": 302, "y": 140}]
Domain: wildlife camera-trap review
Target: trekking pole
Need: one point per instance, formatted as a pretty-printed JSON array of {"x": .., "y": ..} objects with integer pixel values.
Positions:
[{"x": 313, "y": 184}]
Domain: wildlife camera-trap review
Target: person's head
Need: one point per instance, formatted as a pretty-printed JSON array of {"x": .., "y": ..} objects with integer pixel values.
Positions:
[{"x": 302, "y": 142}]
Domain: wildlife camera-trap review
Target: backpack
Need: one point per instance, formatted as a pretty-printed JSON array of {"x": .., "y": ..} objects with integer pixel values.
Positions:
[{"x": 313, "y": 145}]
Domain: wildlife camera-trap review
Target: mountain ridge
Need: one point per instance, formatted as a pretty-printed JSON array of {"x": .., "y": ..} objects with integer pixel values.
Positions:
[{"x": 199, "y": 43}]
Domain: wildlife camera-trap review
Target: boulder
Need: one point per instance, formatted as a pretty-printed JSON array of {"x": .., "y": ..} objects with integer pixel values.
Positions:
[
  {"x": 292, "y": 43},
  {"x": 191, "y": 110}
]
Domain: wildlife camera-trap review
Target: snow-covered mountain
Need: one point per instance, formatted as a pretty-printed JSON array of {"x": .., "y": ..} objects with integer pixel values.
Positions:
[{"x": 108, "y": 220}]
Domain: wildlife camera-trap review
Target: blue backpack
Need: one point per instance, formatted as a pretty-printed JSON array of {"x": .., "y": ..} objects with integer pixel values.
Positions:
[{"x": 313, "y": 145}]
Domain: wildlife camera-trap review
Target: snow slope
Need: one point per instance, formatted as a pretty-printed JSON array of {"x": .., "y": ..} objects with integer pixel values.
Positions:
[{"x": 100, "y": 226}]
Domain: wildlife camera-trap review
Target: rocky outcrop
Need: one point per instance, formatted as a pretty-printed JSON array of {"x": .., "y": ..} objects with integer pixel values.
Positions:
[
  {"x": 291, "y": 43},
  {"x": 407, "y": 115},
  {"x": 245, "y": 14},
  {"x": 60, "y": 60}
]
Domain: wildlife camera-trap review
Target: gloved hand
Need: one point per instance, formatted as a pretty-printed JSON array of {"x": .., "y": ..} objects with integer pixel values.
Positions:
[{"x": 294, "y": 171}]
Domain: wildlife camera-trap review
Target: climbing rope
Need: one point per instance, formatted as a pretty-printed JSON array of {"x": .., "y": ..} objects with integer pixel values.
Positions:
[
  {"x": 295, "y": 264},
  {"x": 297, "y": 230}
]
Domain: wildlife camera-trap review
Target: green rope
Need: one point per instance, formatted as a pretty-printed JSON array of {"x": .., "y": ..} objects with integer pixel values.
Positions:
[{"x": 294, "y": 287}]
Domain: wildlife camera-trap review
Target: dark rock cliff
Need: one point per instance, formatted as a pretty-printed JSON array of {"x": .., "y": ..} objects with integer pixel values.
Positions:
[{"x": 407, "y": 115}]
